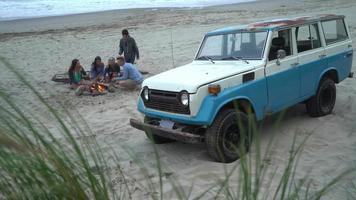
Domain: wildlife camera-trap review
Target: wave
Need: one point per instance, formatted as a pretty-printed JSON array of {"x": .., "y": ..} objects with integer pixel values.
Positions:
[{"x": 20, "y": 9}]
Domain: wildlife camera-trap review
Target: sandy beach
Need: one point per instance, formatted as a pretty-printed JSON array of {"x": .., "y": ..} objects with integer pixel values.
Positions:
[{"x": 43, "y": 47}]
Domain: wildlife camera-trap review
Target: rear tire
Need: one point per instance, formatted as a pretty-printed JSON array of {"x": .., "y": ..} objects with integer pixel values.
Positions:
[
  {"x": 156, "y": 139},
  {"x": 323, "y": 102},
  {"x": 228, "y": 137}
]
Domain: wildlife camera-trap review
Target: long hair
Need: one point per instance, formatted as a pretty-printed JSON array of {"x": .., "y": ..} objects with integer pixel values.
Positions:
[
  {"x": 96, "y": 58},
  {"x": 74, "y": 63}
]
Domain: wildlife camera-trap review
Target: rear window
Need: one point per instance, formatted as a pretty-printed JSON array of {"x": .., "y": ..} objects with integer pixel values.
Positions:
[{"x": 334, "y": 31}]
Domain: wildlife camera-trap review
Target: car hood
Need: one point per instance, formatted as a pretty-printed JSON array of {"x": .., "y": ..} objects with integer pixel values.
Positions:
[{"x": 198, "y": 73}]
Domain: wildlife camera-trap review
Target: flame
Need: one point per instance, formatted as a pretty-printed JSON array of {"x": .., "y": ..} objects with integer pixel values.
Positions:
[
  {"x": 97, "y": 86},
  {"x": 101, "y": 88}
]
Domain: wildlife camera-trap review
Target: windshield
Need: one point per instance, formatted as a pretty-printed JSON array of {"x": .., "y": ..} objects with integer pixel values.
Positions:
[{"x": 243, "y": 45}]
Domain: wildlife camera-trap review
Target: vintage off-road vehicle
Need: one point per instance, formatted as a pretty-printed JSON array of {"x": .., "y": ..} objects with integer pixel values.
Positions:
[{"x": 244, "y": 73}]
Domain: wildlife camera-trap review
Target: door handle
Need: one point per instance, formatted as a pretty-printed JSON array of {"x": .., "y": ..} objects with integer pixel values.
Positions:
[
  {"x": 322, "y": 56},
  {"x": 348, "y": 54},
  {"x": 294, "y": 64}
]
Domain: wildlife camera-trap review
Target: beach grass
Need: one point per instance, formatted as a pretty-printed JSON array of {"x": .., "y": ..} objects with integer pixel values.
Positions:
[{"x": 36, "y": 164}]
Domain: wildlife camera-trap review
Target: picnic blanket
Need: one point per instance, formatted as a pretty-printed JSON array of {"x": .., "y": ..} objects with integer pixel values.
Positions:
[{"x": 64, "y": 77}]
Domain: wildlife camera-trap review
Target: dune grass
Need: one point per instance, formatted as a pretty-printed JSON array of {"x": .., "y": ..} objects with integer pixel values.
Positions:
[{"x": 36, "y": 164}]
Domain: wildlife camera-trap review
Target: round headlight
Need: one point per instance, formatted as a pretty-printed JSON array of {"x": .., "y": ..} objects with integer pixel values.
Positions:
[
  {"x": 145, "y": 94},
  {"x": 184, "y": 98}
]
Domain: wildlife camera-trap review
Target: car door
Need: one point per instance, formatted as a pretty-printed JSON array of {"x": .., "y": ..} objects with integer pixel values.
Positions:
[
  {"x": 338, "y": 48},
  {"x": 311, "y": 57},
  {"x": 282, "y": 75}
]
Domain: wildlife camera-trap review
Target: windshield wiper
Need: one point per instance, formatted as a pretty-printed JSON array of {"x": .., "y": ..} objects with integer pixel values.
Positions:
[
  {"x": 236, "y": 58},
  {"x": 206, "y": 58}
]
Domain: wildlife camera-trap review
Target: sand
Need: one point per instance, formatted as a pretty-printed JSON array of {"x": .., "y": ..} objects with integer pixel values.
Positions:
[{"x": 45, "y": 46}]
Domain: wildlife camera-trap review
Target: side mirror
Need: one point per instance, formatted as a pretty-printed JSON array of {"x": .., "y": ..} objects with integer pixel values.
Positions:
[{"x": 280, "y": 55}]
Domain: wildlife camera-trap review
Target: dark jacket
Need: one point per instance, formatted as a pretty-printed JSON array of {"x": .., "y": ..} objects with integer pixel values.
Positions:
[
  {"x": 130, "y": 50},
  {"x": 71, "y": 75},
  {"x": 96, "y": 71}
]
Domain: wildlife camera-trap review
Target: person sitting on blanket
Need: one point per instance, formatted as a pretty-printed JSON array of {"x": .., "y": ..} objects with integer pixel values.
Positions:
[
  {"x": 76, "y": 73},
  {"x": 131, "y": 77},
  {"x": 112, "y": 70},
  {"x": 97, "y": 71}
]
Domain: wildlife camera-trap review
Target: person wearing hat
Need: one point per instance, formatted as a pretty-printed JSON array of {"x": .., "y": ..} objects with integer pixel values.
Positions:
[
  {"x": 97, "y": 71},
  {"x": 131, "y": 78},
  {"x": 128, "y": 47},
  {"x": 112, "y": 70}
]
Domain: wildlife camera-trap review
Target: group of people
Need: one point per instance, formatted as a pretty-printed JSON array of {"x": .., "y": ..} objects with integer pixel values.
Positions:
[{"x": 121, "y": 72}]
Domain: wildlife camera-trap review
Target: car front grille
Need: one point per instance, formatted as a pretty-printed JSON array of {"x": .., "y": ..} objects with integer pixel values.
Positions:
[{"x": 166, "y": 101}]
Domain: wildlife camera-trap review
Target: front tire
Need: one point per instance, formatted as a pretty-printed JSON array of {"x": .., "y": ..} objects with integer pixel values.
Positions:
[
  {"x": 156, "y": 139},
  {"x": 323, "y": 102},
  {"x": 228, "y": 137}
]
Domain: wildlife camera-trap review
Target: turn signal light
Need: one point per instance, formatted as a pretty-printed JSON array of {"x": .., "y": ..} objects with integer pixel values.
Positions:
[{"x": 214, "y": 89}]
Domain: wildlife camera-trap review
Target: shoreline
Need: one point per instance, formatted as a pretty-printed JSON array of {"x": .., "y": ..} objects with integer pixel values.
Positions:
[
  {"x": 70, "y": 21},
  {"x": 95, "y": 12},
  {"x": 127, "y": 9}
]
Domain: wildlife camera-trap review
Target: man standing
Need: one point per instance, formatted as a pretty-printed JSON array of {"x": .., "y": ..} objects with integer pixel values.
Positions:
[
  {"x": 128, "y": 47},
  {"x": 131, "y": 77}
]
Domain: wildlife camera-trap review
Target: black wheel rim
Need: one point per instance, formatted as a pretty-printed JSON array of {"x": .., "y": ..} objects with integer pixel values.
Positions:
[
  {"x": 327, "y": 96},
  {"x": 231, "y": 138}
]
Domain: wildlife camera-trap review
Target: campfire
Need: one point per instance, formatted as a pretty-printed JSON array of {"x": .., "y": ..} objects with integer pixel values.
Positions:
[{"x": 97, "y": 87}]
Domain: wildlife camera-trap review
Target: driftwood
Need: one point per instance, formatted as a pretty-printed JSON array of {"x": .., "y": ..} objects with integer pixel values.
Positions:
[{"x": 144, "y": 72}]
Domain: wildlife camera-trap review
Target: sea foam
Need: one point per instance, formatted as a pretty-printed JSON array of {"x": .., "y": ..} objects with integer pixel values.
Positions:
[{"x": 19, "y": 9}]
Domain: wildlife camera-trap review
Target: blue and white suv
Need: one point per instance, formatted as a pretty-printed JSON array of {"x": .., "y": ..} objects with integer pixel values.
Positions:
[{"x": 241, "y": 74}]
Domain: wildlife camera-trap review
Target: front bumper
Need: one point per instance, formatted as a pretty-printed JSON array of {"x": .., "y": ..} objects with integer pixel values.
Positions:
[
  {"x": 203, "y": 118},
  {"x": 166, "y": 132}
]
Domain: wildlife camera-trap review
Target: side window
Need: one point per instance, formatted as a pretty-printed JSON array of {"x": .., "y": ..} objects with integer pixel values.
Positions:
[
  {"x": 315, "y": 36},
  {"x": 308, "y": 37},
  {"x": 334, "y": 31},
  {"x": 281, "y": 40}
]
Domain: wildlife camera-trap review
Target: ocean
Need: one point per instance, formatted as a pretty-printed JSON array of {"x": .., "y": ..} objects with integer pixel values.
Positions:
[{"x": 20, "y": 9}]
